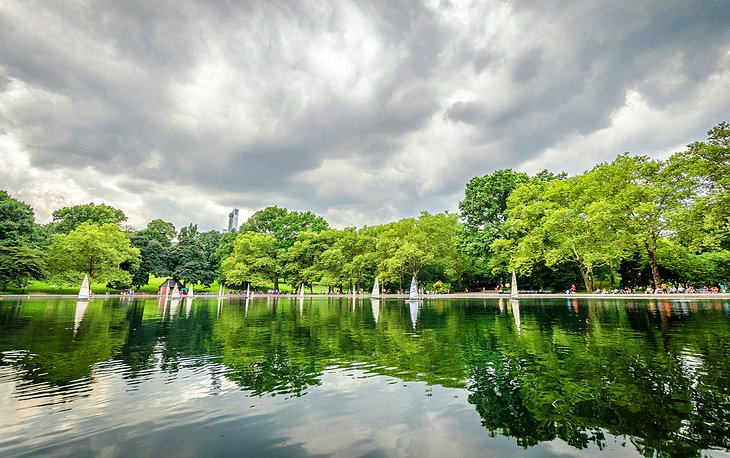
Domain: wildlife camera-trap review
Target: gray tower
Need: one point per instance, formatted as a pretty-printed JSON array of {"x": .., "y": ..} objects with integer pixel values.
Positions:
[{"x": 233, "y": 220}]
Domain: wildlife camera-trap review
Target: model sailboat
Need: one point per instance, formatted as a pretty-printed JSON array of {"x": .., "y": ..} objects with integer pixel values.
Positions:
[
  {"x": 376, "y": 290},
  {"x": 84, "y": 292},
  {"x": 190, "y": 292},
  {"x": 413, "y": 295},
  {"x": 514, "y": 292}
]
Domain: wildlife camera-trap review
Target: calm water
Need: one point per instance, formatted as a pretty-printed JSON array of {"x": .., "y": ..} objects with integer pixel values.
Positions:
[{"x": 133, "y": 377}]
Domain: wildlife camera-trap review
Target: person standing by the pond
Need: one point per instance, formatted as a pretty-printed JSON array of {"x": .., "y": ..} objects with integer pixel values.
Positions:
[{"x": 572, "y": 289}]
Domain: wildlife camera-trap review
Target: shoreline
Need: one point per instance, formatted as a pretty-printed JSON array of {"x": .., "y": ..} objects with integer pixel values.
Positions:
[{"x": 675, "y": 296}]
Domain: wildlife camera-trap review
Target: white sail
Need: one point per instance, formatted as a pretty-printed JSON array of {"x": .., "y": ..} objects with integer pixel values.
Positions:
[
  {"x": 514, "y": 292},
  {"x": 375, "y": 305},
  {"x": 301, "y": 291},
  {"x": 248, "y": 290},
  {"x": 190, "y": 291},
  {"x": 81, "y": 306},
  {"x": 414, "y": 312},
  {"x": 414, "y": 290},
  {"x": 175, "y": 293},
  {"x": 84, "y": 291},
  {"x": 376, "y": 290},
  {"x": 220, "y": 290}
]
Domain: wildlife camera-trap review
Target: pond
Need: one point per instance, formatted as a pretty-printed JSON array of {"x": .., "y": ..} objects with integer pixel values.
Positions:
[{"x": 344, "y": 377}]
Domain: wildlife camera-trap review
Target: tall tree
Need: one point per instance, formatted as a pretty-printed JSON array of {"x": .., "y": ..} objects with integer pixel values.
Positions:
[
  {"x": 162, "y": 231},
  {"x": 644, "y": 197},
  {"x": 302, "y": 260},
  {"x": 707, "y": 226},
  {"x": 348, "y": 259},
  {"x": 19, "y": 265},
  {"x": 483, "y": 207},
  {"x": 189, "y": 259},
  {"x": 92, "y": 249},
  {"x": 554, "y": 222},
  {"x": 254, "y": 260},
  {"x": 155, "y": 246},
  {"x": 284, "y": 226},
  {"x": 16, "y": 221},
  {"x": 67, "y": 219}
]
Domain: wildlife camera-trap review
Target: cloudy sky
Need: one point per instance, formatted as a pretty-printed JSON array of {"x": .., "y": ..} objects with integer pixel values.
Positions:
[{"x": 363, "y": 111}]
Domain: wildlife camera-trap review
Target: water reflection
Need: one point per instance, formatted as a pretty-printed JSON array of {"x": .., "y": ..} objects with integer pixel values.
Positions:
[
  {"x": 515, "y": 304},
  {"x": 413, "y": 307},
  {"x": 375, "y": 309},
  {"x": 81, "y": 307},
  {"x": 653, "y": 371}
]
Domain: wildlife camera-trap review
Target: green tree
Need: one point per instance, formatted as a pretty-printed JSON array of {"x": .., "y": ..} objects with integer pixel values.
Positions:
[
  {"x": 707, "y": 226},
  {"x": 413, "y": 246},
  {"x": 556, "y": 222},
  {"x": 67, "y": 219},
  {"x": 348, "y": 259},
  {"x": 190, "y": 260},
  {"x": 643, "y": 197},
  {"x": 284, "y": 226},
  {"x": 483, "y": 207},
  {"x": 483, "y": 215},
  {"x": 92, "y": 249},
  {"x": 16, "y": 221},
  {"x": 162, "y": 231},
  {"x": 254, "y": 260},
  {"x": 155, "y": 246},
  {"x": 19, "y": 265},
  {"x": 301, "y": 261}
]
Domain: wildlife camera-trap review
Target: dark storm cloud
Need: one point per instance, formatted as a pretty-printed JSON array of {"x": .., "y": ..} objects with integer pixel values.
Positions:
[{"x": 263, "y": 102}]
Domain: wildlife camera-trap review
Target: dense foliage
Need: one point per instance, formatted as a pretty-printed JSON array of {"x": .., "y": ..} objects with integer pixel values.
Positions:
[{"x": 632, "y": 222}]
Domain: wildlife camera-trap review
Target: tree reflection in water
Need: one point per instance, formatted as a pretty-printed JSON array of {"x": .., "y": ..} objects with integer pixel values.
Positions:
[{"x": 653, "y": 372}]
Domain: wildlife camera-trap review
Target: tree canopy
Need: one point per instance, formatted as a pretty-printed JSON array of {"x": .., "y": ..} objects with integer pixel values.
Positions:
[
  {"x": 92, "y": 249},
  {"x": 16, "y": 221},
  {"x": 67, "y": 219}
]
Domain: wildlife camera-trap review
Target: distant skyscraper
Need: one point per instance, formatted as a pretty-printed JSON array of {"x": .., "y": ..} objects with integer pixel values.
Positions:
[{"x": 233, "y": 220}]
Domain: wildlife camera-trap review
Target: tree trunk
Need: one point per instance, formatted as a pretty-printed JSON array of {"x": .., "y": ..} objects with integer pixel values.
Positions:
[
  {"x": 593, "y": 279},
  {"x": 613, "y": 275},
  {"x": 650, "y": 252},
  {"x": 584, "y": 274},
  {"x": 276, "y": 283}
]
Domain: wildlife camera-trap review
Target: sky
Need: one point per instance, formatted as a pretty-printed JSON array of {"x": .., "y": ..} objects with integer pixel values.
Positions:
[{"x": 363, "y": 112}]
